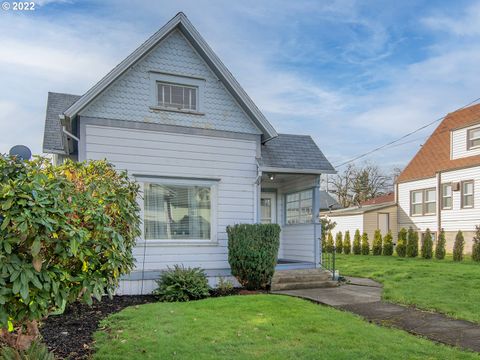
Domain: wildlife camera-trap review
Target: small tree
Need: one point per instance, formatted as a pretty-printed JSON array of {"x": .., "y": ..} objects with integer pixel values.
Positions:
[
  {"x": 357, "y": 243},
  {"x": 476, "y": 245},
  {"x": 365, "y": 244},
  {"x": 440, "y": 248},
  {"x": 327, "y": 225},
  {"x": 412, "y": 243},
  {"x": 347, "y": 246},
  {"x": 427, "y": 245},
  {"x": 401, "y": 247},
  {"x": 388, "y": 244},
  {"x": 329, "y": 244},
  {"x": 339, "y": 243},
  {"x": 458, "y": 246},
  {"x": 377, "y": 243}
]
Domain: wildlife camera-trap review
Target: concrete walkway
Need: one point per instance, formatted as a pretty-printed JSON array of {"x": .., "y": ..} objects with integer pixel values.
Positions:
[{"x": 363, "y": 297}]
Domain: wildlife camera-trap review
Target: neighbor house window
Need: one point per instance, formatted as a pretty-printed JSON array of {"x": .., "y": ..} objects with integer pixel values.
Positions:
[
  {"x": 177, "y": 212},
  {"x": 299, "y": 207},
  {"x": 467, "y": 194},
  {"x": 446, "y": 196},
  {"x": 179, "y": 97},
  {"x": 423, "y": 202},
  {"x": 473, "y": 138}
]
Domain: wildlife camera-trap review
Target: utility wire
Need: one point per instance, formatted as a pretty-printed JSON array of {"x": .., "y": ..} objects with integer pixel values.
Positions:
[{"x": 402, "y": 137}]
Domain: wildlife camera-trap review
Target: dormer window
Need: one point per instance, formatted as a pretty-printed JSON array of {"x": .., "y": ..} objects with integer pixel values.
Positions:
[
  {"x": 473, "y": 138},
  {"x": 177, "y": 96}
]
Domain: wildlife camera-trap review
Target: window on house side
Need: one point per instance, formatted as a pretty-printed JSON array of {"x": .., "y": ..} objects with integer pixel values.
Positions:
[
  {"x": 178, "y": 97},
  {"x": 423, "y": 202},
  {"x": 467, "y": 194},
  {"x": 430, "y": 201},
  {"x": 446, "y": 196},
  {"x": 177, "y": 212},
  {"x": 299, "y": 207},
  {"x": 416, "y": 205},
  {"x": 473, "y": 138}
]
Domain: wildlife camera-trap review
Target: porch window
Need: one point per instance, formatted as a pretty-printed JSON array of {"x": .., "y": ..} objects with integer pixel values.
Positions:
[
  {"x": 446, "y": 196},
  {"x": 177, "y": 96},
  {"x": 177, "y": 211},
  {"x": 467, "y": 194},
  {"x": 299, "y": 207}
]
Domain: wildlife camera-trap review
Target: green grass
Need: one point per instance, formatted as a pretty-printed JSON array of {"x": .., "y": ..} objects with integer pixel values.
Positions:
[
  {"x": 445, "y": 286},
  {"x": 256, "y": 327}
]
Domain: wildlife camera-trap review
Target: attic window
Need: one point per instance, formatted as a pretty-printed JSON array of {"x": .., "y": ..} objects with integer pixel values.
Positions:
[
  {"x": 175, "y": 96},
  {"x": 473, "y": 138}
]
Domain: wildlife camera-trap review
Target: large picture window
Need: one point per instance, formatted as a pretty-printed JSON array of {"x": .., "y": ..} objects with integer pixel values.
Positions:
[
  {"x": 423, "y": 202},
  {"x": 177, "y": 212},
  {"x": 299, "y": 207}
]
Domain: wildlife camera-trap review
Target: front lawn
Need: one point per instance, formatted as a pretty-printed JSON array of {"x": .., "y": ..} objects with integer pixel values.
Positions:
[
  {"x": 256, "y": 327},
  {"x": 441, "y": 285}
]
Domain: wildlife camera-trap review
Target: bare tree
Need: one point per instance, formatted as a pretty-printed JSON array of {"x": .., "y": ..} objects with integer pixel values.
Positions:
[{"x": 341, "y": 185}]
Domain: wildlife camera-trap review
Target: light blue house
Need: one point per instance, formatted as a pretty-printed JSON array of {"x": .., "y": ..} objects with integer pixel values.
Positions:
[{"x": 205, "y": 156}]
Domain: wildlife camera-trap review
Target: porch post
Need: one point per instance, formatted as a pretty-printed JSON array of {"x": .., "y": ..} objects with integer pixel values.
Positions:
[{"x": 317, "y": 228}]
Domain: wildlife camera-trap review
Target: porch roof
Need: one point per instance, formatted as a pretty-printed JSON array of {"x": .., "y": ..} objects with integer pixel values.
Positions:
[{"x": 295, "y": 154}]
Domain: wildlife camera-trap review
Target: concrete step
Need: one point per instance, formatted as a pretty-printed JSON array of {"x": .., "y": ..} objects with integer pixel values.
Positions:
[
  {"x": 301, "y": 278},
  {"x": 303, "y": 285}
]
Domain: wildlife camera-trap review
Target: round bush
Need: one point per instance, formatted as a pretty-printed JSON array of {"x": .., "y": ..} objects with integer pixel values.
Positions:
[{"x": 182, "y": 284}]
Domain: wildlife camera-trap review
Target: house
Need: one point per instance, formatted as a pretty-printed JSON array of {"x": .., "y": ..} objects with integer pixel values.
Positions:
[
  {"x": 203, "y": 153},
  {"x": 377, "y": 213},
  {"x": 440, "y": 187}
]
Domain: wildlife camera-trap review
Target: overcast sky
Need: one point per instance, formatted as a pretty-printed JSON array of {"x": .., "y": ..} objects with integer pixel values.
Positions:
[{"x": 353, "y": 74}]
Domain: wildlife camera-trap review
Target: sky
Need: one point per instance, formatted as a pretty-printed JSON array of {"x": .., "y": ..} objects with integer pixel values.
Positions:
[{"x": 352, "y": 74}]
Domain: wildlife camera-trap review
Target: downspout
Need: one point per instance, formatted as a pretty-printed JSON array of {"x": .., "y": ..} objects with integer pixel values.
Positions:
[
  {"x": 317, "y": 229},
  {"x": 439, "y": 203},
  {"x": 257, "y": 193}
]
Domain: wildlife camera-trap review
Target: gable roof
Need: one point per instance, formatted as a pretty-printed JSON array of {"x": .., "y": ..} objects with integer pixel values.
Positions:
[
  {"x": 434, "y": 156},
  {"x": 327, "y": 202},
  {"x": 297, "y": 153},
  {"x": 57, "y": 103},
  {"x": 180, "y": 22}
]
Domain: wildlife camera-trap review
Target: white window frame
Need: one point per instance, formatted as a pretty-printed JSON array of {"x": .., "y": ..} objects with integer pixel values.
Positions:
[
  {"x": 299, "y": 206},
  {"x": 417, "y": 203},
  {"x": 213, "y": 184},
  {"x": 463, "y": 194},
  {"x": 424, "y": 202},
  {"x": 447, "y": 196},
  {"x": 174, "y": 79},
  {"x": 470, "y": 139}
]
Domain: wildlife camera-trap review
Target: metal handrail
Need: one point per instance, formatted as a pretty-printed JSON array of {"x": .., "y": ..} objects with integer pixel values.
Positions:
[{"x": 328, "y": 261}]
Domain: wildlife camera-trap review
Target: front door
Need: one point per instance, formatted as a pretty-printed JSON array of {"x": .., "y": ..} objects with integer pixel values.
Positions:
[{"x": 268, "y": 208}]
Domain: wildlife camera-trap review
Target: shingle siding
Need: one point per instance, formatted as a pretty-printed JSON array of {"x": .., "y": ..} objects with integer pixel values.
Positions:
[{"x": 130, "y": 98}]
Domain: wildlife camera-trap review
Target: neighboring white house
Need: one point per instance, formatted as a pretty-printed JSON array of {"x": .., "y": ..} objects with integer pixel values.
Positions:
[
  {"x": 440, "y": 187},
  {"x": 203, "y": 153}
]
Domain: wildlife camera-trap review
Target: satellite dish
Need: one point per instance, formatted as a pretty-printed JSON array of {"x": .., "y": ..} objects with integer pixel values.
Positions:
[{"x": 21, "y": 151}]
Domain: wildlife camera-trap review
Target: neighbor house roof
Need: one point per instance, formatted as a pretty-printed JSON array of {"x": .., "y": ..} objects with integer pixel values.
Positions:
[
  {"x": 57, "y": 103},
  {"x": 357, "y": 210},
  {"x": 434, "y": 156},
  {"x": 380, "y": 199},
  {"x": 180, "y": 22},
  {"x": 294, "y": 153}
]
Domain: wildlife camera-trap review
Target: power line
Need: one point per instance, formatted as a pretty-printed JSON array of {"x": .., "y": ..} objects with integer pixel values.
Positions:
[{"x": 402, "y": 137}]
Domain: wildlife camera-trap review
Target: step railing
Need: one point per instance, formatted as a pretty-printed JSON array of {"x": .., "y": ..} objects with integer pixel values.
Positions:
[{"x": 328, "y": 261}]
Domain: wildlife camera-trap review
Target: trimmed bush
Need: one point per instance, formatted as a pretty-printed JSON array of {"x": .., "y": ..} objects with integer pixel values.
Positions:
[
  {"x": 347, "y": 246},
  {"x": 339, "y": 243},
  {"x": 401, "y": 247},
  {"x": 458, "y": 246},
  {"x": 440, "y": 248},
  {"x": 377, "y": 243},
  {"x": 252, "y": 253},
  {"x": 329, "y": 246},
  {"x": 357, "y": 243},
  {"x": 427, "y": 245},
  {"x": 388, "y": 244},
  {"x": 224, "y": 286},
  {"x": 365, "y": 244},
  {"x": 182, "y": 284},
  {"x": 412, "y": 243},
  {"x": 476, "y": 245}
]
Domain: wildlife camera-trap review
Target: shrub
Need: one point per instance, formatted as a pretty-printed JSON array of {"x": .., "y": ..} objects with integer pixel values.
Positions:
[
  {"x": 388, "y": 244},
  {"x": 365, "y": 244},
  {"x": 440, "y": 248},
  {"x": 36, "y": 351},
  {"x": 347, "y": 246},
  {"x": 377, "y": 243},
  {"x": 412, "y": 243},
  {"x": 357, "y": 243},
  {"x": 427, "y": 245},
  {"x": 224, "y": 286},
  {"x": 252, "y": 253},
  {"x": 329, "y": 246},
  {"x": 458, "y": 246},
  {"x": 339, "y": 243},
  {"x": 182, "y": 284},
  {"x": 476, "y": 245},
  {"x": 401, "y": 247},
  {"x": 67, "y": 233}
]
